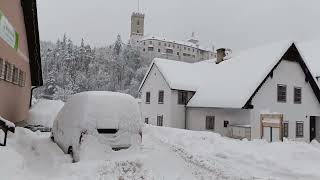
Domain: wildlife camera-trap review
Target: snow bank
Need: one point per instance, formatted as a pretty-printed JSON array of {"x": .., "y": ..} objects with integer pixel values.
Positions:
[
  {"x": 237, "y": 159},
  {"x": 92, "y": 149},
  {"x": 44, "y": 112}
]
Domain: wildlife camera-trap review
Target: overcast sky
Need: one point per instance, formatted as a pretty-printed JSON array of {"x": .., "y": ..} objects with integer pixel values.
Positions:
[{"x": 237, "y": 24}]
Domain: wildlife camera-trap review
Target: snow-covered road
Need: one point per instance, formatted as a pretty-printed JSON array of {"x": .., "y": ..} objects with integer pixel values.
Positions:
[{"x": 165, "y": 154}]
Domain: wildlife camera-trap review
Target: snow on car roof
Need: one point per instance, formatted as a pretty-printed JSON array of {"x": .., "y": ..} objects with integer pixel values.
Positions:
[
  {"x": 228, "y": 84},
  {"x": 101, "y": 109}
]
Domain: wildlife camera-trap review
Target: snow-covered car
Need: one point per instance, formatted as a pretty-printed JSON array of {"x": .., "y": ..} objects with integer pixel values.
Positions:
[{"x": 113, "y": 117}]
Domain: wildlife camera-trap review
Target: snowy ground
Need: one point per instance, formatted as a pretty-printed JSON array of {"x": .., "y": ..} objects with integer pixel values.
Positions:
[{"x": 166, "y": 154}]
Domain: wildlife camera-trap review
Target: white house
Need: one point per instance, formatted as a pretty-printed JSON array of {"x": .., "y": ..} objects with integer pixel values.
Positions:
[{"x": 233, "y": 97}]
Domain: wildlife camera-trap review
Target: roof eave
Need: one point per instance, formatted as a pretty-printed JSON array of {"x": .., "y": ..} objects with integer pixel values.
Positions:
[{"x": 33, "y": 40}]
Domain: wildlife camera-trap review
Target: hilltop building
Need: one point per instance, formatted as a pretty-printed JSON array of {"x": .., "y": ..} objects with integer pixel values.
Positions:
[{"x": 160, "y": 47}]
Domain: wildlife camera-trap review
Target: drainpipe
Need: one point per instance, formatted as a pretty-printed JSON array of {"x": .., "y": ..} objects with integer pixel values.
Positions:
[
  {"x": 185, "y": 117},
  {"x": 30, "y": 101}
]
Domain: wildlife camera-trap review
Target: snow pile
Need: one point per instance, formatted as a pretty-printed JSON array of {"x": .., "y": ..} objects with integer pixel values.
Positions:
[
  {"x": 92, "y": 149},
  {"x": 11, "y": 164},
  {"x": 125, "y": 170},
  {"x": 235, "y": 159},
  {"x": 44, "y": 112}
]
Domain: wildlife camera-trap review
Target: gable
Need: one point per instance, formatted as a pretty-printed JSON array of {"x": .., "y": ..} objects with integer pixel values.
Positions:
[
  {"x": 291, "y": 55},
  {"x": 154, "y": 80}
]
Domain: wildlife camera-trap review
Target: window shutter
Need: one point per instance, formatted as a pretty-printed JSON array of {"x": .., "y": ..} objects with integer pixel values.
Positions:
[{"x": 2, "y": 68}]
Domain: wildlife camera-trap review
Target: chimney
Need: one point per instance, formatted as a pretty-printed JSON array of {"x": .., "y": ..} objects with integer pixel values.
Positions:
[{"x": 221, "y": 53}]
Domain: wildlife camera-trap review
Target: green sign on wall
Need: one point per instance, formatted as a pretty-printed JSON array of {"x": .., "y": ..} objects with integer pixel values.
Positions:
[{"x": 8, "y": 33}]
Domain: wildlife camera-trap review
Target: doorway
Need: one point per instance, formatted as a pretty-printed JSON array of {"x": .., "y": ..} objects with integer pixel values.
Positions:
[{"x": 313, "y": 134}]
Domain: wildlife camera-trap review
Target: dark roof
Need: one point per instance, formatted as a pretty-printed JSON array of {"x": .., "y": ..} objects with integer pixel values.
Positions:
[{"x": 31, "y": 23}]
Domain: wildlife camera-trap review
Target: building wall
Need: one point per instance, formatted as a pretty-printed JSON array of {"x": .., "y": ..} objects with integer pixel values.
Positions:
[
  {"x": 196, "y": 118},
  {"x": 195, "y": 53},
  {"x": 14, "y": 102},
  {"x": 153, "y": 84},
  {"x": 290, "y": 74}
]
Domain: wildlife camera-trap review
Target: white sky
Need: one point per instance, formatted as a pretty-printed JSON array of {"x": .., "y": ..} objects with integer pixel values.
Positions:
[{"x": 236, "y": 24}]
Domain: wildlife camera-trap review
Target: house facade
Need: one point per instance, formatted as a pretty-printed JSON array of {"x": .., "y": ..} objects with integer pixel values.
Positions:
[
  {"x": 159, "y": 47},
  {"x": 233, "y": 104},
  {"x": 20, "y": 64}
]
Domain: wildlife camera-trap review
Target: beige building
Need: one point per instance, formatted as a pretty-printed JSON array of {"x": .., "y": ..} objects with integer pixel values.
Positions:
[
  {"x": 20, "y": 64},
  {"x": 160, "y": 47}
]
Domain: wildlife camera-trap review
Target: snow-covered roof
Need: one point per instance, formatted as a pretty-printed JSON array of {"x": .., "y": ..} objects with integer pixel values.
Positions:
[
  {"x": 310, "y": 53},
  {"x": 185, "y": 43},
  {"x": 228, "y": 84}
]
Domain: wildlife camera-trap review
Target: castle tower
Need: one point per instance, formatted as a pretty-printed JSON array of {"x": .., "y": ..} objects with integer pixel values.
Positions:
[{"x": 137, "y": 26}]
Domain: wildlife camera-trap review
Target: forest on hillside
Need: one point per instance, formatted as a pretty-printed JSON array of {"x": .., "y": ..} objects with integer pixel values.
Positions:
[{"x": 69, "y": 68}]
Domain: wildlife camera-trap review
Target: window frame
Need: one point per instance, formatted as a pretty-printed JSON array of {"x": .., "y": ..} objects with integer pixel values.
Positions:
[
  {"x": 182, "y": 97},
  {"x": 150, "y": 49},
  {"x": 279, "y": 100},
  {"x": 148, "y": 97},
  {"x": 299, "y": 134},
  {"x": 160, "y": 120},
  {"x": 161, "y": 101},
  {"x": 285, "y": 129},
  {"x": 295, "y": 99},
  {"x": 211, "y": 124}
]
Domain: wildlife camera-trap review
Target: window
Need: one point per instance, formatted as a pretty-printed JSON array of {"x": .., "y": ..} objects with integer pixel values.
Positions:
[
  {"x": 138, "y": 22},
  {"x": 188, "y": 49},
  {"x": 225, "y": 123},
  {"x": 178, "y": 46},
  {"x": 21, "y": 78},
  {"x": 285, "y": 129},
  {"x": 161, "y": 97},
  {"x": 165, "y": 44},
  {"x": 297, "y": 95},
  {"x": 147, "y": 97},
  {"x": 15, "y": 75},
  {"x": 184, "y": 48},
  {"x": 159, "y": 50},
  {"x": 210, "y": 122},
  {"x": 178, "y": 53},
  {"x": 146, "y": 120},
  {"x": 299, "y": 129},
  {"x": 1, "y": 68},
  {"x": 8, "y": 72},
  {"x": 282, "y": 93},
  {"x": 173, "y": 46},
  {"x": 185, "y": 54},
  {"x": 169, "y": 51},
  {"x": 159, "y": 43},
  {"x": 160, "y": 120},
  {"x": 182, "y": 97},
  {"x": 150, "y": 48},
  {"x": 144, "y": 43},
  {"x": 138, "y": 31},
  {"x": 150, "y": 42},
  {"x": 144, "y": 49}
]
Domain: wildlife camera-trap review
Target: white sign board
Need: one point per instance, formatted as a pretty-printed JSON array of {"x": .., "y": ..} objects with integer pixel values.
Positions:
[{"x": 8, "y": 33}]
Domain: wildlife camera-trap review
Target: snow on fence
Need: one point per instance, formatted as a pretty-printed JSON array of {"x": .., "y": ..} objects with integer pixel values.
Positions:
[{"x": 6, "y": 126}]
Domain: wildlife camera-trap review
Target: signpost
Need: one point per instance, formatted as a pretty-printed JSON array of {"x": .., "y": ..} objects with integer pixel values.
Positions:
[{"x": 8, "y": 33}]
